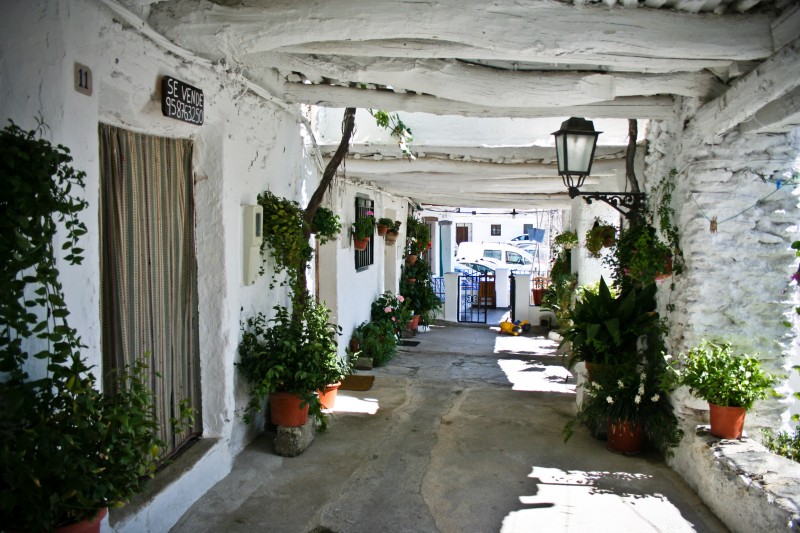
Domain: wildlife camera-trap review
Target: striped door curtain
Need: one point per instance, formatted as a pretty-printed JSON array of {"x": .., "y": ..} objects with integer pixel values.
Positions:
[{"x": 149, "y": 272}]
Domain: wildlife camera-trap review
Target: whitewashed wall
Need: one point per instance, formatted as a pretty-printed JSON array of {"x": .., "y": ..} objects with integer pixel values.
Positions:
[
  {"x": 347, "y": 292},
  {"x": 244, "y": 147},
  {"x": 735, "y": 288}
]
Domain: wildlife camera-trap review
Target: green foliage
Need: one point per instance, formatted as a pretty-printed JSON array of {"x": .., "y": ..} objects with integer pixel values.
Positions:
[
  {"x": 326, "y": 225},
  {"x": 378, "y": 341},
  {"x": 284, "y": 354},
  {"x": 566, "y": 240},
  {"x": 641, "y": 257},
  {"x": 393, "y": 309},
  {"x": 387, "y": 222},
  {"x": 633, "y": 393},
  {"x": 66, "y": 449},
  {"x": 419, "y": 295},
  {"x": 786, "y": 444},
  {"x": 558, "y": 297},
  {"x": 601, "y": 235},
  {"x": 607, "y": 329},
  {"x": 364, "y": 226},
  {"x": 417, "y": 236},
  {"x": 714, "y": 373},
  {"x": 285, "y": 235},
  {"x": 397, "y": 128}
]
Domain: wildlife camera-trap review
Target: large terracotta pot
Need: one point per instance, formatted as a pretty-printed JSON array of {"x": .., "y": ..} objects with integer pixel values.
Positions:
[
  {"x": 625, "y": 437},
  {"x": 726, "y": 422},
  {"x": 360, "y": 244},
  {"x": 327, "y": 396},
  {"x": 285, "y": 409},
  {"x": 85, "y": 526}
]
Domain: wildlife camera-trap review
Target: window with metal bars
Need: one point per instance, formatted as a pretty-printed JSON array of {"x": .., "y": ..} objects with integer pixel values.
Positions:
[
  {"x": 495, "y": 230},
  {"x": 363, "y": 259}
]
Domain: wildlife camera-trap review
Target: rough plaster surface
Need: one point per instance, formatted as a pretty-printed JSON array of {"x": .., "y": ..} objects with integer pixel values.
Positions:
[{"x": 734, "y": 288}]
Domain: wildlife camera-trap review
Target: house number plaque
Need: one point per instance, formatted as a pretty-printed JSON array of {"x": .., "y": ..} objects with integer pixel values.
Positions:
[{"x": 181, "y": 101}]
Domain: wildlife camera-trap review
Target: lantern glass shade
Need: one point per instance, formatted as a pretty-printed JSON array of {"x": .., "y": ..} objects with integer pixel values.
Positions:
[{"x": 575, "y": 144}]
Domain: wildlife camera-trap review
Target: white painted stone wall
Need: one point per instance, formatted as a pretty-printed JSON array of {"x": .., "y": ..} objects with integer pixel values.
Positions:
[
  {"x": 735, "y": 288},
  {"x": 350, "y": 293},
  {"x": 245, "y": 146}
]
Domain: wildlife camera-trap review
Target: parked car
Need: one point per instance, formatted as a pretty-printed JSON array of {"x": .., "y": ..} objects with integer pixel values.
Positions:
[{"x": 503, "y": 255}]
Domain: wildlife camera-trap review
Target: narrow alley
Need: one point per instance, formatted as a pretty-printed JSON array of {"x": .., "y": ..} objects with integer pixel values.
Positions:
[{"x": 462, "y": 432}]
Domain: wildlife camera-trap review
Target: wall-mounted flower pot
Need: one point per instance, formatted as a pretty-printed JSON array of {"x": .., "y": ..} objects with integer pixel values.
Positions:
[
  {"x": 285, "y": 409},
  {"x": 726, "y": 422},
  {"x": 390, "y": 238},
  {"x": 411, "y": 258},
  {"x": 382, "y": 230},
  {"x": 327, "y": 396},
  {"x": 411, "y": 280},
  {"x": 360, "y": 244}
]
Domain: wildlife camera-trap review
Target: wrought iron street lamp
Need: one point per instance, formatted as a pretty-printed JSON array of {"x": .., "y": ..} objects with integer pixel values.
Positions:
[{"x": 575, "y": 145}]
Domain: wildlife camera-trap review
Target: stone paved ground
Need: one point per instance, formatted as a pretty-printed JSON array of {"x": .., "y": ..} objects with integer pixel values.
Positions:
[{"x": 461, "y": 433}]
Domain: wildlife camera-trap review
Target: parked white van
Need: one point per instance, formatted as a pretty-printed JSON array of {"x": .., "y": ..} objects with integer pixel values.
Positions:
[{"x": 506, "y": 256}]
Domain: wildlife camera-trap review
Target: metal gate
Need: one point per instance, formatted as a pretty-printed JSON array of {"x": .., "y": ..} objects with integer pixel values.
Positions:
[{"x": 476, "y": 293}]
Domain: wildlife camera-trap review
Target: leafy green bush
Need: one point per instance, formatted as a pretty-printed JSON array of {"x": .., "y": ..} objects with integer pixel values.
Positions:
[
  {"x": 714, "y": 373},
  {"x": 326, "y": 225},
  {"x": 783, "y": 443},
  {"x": 392, "y": 309},
  {"x": 378, "y": 341}
]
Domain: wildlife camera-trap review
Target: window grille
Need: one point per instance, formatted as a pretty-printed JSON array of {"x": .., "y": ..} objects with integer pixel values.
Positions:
[{"x": 363, "y": 259}]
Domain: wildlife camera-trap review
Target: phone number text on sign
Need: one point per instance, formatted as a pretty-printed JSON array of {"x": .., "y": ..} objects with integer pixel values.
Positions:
[{"x": 181, "y": 101}]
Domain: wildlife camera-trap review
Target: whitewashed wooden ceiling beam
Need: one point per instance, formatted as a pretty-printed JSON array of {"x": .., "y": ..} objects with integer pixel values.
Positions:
[
  {"x": 524, "y": 30},
  {"x": 486, "y": 86},
  {"x": 647, "y": 107},
  {"x": 775, "y": 78},
  {"x": 495, "y": 154}
]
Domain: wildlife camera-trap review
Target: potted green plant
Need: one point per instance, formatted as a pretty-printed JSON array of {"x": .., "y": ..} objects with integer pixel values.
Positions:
[
  {"x": 392, "y": 233},
  {"x": 609, "y": 330},
  {"x": 384, "y": 224},
  {"x": 392, "y": 309},
  {"x": 378, "y": 341},
  {"x": 417, "y": 239},
  {"x": 362, "y": 230},
  {"x": 643, "y": 257},
  {"x": 67, "y": 450},
  {"x": 601, "y": 235},
  {"x": 420, "y": 297},
  {"x": 325, "y": 225},
  {"x": 729, "y": 382},
  {"x": 632, "y": 402},
  {"x": 566, "y": 240},
  {"x": 287, "y": 361}
]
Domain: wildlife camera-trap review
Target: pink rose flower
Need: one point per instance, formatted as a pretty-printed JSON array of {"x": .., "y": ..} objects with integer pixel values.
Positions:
[
  {"x": 387, "y": 309},
  {"x": 400, "y": 298}
]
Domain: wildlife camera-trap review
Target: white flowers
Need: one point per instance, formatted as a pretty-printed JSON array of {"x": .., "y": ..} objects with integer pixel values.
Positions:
[
  {"x": 610, "y": 400},
  {"x": 620, "y": 384},
  {"x": 655, "y": 398},
  {"x": 638, "y": 399}
]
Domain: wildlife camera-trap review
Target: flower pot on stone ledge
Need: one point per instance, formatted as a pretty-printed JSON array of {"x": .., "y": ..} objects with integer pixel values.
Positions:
[
  {"x": 285, "y": 409},
  {"x": 726, "y": 422}
]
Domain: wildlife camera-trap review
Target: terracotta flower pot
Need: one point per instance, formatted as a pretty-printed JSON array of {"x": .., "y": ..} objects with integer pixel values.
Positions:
[
  {"x": 327, "y": 396},
  {"x": 726, "y": 422},
  {"x": 390, "y": 238},
  {"x": 625, "y": 437},
  {"x": 85, "y": 526},
  {"x": 411, "y": 280},
  {"x": 382, "y": 230},
  {"x": 413, "y": 324},
  {"x": 360, "y": 244},
  {"x": 412, "y": 258},
  {"x": 285, "y": 409}
]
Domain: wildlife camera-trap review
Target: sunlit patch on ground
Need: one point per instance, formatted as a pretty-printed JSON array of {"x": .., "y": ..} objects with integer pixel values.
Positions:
[
  {"x": 350, "y": 404},
  {"x": 533, "y": 376},
  {"x": 575, "y": 500}
]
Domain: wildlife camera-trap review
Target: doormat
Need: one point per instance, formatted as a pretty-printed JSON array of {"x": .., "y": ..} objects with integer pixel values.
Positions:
[
  {"x": 408, "y": 343},
  {"x": 356, "y": 382}
]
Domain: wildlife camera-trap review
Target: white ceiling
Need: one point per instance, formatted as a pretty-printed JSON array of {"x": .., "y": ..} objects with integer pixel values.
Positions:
[{"x": 457, "y": 69}]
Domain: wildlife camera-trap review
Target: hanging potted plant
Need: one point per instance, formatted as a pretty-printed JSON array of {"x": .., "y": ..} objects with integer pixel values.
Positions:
[
  {"x": 601, "y": 235},
  {"x": 325, "y": 225},
  {"x": 730, "y": 384},
  {"x": 362, "y": 230},
  {"x": 392, "y": 233},
  {"x": 566, "y": 240},
  {"x": 384, "y": 224}
]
